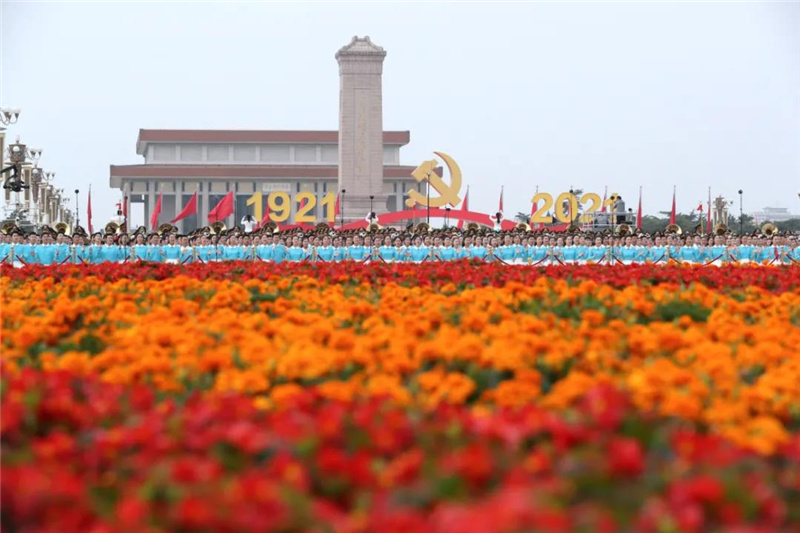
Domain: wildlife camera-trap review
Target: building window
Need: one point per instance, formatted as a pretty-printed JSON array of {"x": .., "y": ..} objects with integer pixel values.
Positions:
[
  {"x": 305, "y": 153},
  {"x": 330, "y": 153},
  {"x": 275, "y": 153},
  {"x": 164, "y": 152},
  {"x": 191, "y": 152},
  {"x": 391, "y": 155},
  {"x": 218, "y": 152},
  {"x": 244, "y": 153}
]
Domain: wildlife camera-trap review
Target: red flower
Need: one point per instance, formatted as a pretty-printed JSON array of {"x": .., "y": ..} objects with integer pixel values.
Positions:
[{"x": 625, "y": 457}]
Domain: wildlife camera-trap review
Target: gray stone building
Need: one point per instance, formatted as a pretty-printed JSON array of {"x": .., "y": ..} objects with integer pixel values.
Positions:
[{"x": 301, "y": 167}]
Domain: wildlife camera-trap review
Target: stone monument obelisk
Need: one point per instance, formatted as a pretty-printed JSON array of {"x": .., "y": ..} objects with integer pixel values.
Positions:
[{"x": 361, "y": 127}]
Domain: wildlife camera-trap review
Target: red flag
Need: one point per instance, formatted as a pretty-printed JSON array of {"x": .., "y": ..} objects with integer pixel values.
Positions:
[
  {"x": 223, "y": 209},
  {"x": 639, "y": 212},
  {"x": 464, "y": 207},
  {"x": 89, "y": 211},
  {"x": 501, "y": 200},
  {"x": 337, "y": 207},
  {"x": 672, "y": 213},
  {"x": 603, "y": 205},
  {"x": 125, "y": 208},
  {"x": 700, "y": 207},
  {"x": 189, "y": 209},
  {"x": 265, "y": 216},
  {"x": 156, "y": 212}
]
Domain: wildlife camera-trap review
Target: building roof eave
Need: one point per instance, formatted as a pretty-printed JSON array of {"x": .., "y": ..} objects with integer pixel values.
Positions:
[{"x": 146, "y": 136}]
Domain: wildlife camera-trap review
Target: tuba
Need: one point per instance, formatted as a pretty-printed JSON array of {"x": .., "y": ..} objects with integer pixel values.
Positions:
[
  {"x": 768, "y": 230},
  {"x": 473, "y": 226},
  {"x": 269, "y": 227},
  {"x": 623, "y": 230},
  {"x": 721, "y": 229},
  {"x": 322, "y": 226},
  {"x": 673, "y": 229},
  {"x": 523, "y": 226},
  {"x": 166, "y": 227},
  {"x": 423, "y": 226},
  {"x": 62, "y": 227},
  {"x": 373, "y": 227},
  {"x": 8, "y": 227},
  {"x": 112, "y": 228},
  {"x": 218, "y": 227}
]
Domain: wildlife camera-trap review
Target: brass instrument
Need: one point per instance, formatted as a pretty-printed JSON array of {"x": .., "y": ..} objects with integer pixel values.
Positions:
[
  {"x": 623, "y": 230},
  {"x": 62, "y": 227},
  {"x": 721, "y": 229},
  {"x": 112, "y": 228},
  {"x": 270, "y": 227},
  {"x": 524, "y": 226},
  {"x": 217, "y": 227},
  {"x": 423, "y": 226},
  {"x": 322, "y": 226},
  {"x": 768, "y": 230},
  {"x": 8, "y": 227},
  {"x": 373, "y": 227},
  {"x": 473, "y": 226},
  {"x": 673, "y": 229},
  {"x": 166, "y": 228}
]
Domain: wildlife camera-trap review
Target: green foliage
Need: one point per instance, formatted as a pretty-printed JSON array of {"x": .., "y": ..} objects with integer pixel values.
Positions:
[{"x": 675, "y": 309}]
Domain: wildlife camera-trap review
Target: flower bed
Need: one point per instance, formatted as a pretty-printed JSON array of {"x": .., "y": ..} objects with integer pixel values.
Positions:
[
  {"x": 386, "y": 397},
  {"x": 80, "y": 455}
]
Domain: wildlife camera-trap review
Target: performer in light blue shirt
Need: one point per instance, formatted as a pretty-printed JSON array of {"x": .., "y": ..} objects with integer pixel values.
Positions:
[
  {"x": 387, "y": 252},
  {"x": 419, "y": 253},
  {"x": 325, "y": 253},
  {"x": 357, "y": 252}
]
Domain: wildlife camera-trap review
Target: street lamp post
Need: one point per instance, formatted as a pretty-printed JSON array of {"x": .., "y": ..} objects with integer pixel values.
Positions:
[
  {"x": 77, "y": 212},
  {"x": 341, "y": 211},
  {"x": 741, "y": 211},
  {"x": 571, "y": 196},
  {"x": 9, "y": 116}
]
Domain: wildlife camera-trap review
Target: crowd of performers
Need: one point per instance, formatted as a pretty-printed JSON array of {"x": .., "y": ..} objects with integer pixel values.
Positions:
[{"x": 413, "y": 245}]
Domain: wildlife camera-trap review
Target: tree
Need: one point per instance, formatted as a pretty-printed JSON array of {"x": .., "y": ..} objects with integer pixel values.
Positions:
[{"x": 792, "y": 225}]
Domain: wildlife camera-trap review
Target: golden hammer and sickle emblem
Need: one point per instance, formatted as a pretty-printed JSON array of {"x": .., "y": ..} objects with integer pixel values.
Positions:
[{"x": 448, "y": 194}]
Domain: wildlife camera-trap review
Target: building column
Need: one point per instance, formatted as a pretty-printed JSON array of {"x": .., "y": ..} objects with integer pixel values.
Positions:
[
  {"x": 206, "y": 185},
  {"x": 126, "y": 199},
  {"x": 150, "y": 204}
]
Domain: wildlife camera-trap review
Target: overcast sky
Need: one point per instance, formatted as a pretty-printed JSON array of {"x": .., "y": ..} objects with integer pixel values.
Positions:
[{"x": 547, "y": 94}]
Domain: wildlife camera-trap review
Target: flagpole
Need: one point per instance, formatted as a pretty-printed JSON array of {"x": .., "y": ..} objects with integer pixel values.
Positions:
[{"x": 639, "y": 211}]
